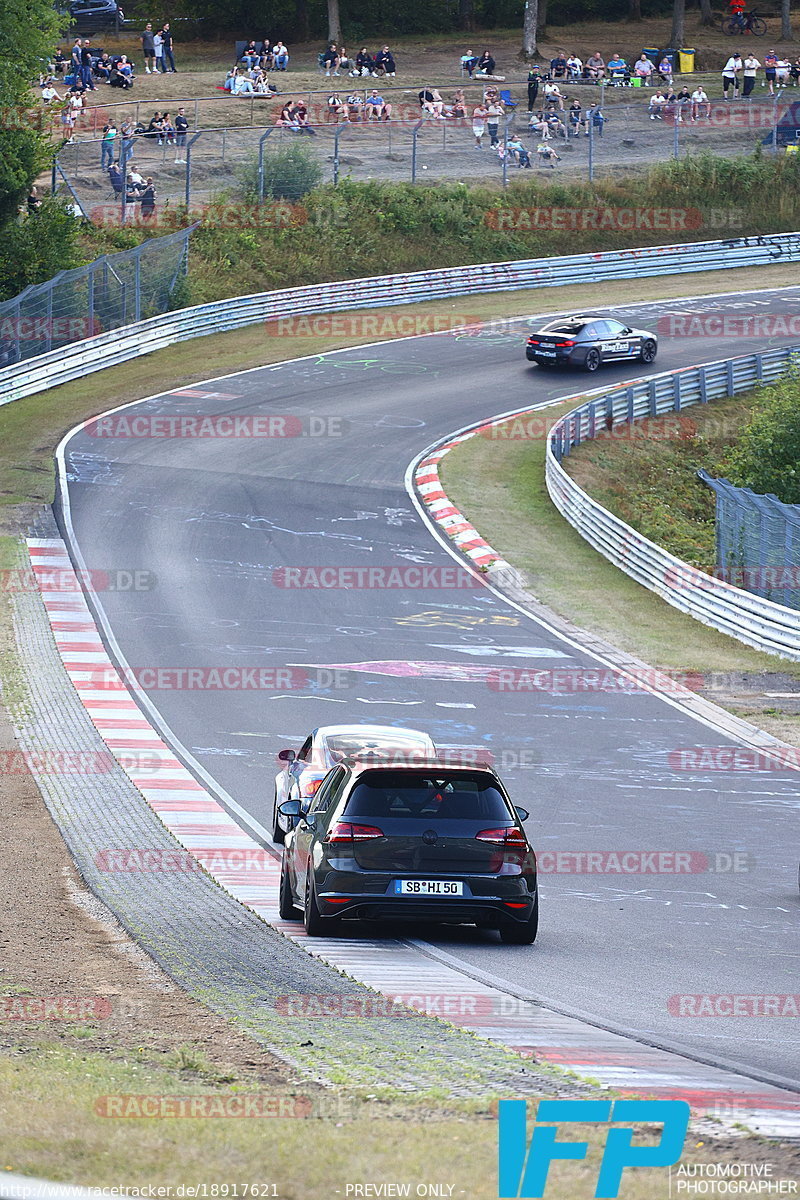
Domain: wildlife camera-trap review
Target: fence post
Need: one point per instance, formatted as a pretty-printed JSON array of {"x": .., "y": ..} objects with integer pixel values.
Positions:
[
  {"x": 223, "y": 146},
  {"x": 261, "y": 141},
  {"x": 188, "y": 192},
  {"x": 53, "y": 180},
  {"x": 676, "y": 148},
  {"x": 137, "y": 284},
  {"x": 591, "y": 147},
  {"x": 414, "y": 133},
  {"x": 505, "y": 153},
  {"x": 90, "y": 302},
  {"x": 774, "y": 146},
  {"x": 337, "y": 133}
]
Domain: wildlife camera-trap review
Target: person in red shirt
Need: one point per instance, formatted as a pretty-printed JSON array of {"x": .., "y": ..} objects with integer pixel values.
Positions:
[{"x": 737, "y": 8}]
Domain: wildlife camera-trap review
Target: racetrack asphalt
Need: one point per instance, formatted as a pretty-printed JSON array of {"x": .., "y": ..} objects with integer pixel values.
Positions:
[{"x": 215, "y": 518}]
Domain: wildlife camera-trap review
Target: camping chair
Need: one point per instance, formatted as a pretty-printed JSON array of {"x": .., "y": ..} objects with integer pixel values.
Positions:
[{"x": 505, "y": 99}]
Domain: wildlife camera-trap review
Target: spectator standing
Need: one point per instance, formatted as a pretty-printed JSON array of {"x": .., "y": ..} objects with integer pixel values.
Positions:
[
  {"x": 87, "y": 78},
  {"x": 107, "y": 145},
  {"x": 644, "y": 69},
  {"x": 533, "y": 87},
  {"x": 148, "y": 200},
  {"x": 770, "y": 70},
  {"x": 126, "y": 132},
  {"x": 68, "y": 120},
  {"x": 730, "y": 76},
  {"x": 494, "y": 112},
  {"x": 167, "y": 56},
  {"x": 34, "y": 201},
  {"x": 149, "y": 49},
  {"x": 158, "y": 47},
  {"x": 75, "y": 58},
  {"x": 479, "y": 124},
  {"x": 749, "y": 69}
]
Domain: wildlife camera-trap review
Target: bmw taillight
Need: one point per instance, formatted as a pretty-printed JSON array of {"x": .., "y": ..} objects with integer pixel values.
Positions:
[
  {"x": 344, "y": 831},
  {"x": 533, "y": 341},
  {"x": 508, "y": 835},
  {"x": 564, "y": 345}
]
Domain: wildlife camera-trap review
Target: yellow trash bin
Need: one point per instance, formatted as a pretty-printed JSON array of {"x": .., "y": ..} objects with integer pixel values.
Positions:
[
  {"x": 792, "y": 149},
  {"x": 686, "y": 61}
]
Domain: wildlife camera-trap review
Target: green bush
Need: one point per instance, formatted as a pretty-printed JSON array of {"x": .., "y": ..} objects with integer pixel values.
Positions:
[
  {"x": 766, "y": 458},
  {"x": 35, "y": 248},
  {"x": 289, "y": 174}
]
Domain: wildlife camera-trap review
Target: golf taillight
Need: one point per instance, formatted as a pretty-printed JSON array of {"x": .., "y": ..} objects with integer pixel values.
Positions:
[
  {"x": 312, "y": 786},
  {"x": 344, "y": 831},
  {"x": 508, "y": 835}
]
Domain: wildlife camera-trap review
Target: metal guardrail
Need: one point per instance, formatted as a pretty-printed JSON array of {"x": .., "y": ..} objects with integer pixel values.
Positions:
[
  {"x": 760, "y": 623},
  {"x": 133, "y": 341}
]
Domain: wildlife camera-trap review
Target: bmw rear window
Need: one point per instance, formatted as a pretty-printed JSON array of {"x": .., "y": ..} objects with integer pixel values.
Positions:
[
  {"x": 570, "y": 328},
  {"x": 461, "y": 796}
]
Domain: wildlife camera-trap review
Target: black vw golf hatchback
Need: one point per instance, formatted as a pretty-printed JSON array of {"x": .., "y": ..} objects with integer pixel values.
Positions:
[{"x": 418, "y": 842}]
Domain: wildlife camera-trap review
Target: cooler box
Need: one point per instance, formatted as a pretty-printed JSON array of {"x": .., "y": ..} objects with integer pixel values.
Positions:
[
  {"x": 635, "y": 81},
  {"x": 686, "y": 60}
]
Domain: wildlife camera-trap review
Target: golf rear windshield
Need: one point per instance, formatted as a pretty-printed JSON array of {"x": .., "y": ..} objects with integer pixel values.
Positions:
[{"x": 444, "y": 795}]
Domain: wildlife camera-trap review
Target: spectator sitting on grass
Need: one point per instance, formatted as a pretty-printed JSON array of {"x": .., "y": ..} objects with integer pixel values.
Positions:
[
  {"x": 574, "y": 66},
  {"x": 644, "y": 69},
  {"x": 345, "y": 62},
  {"x": 547, "y": 155},
  {"x": 384, "y": 62},
  {"x": 595, "y": 67},
  {"x": 125, "y": 68},
  {"x": 376, "y": 108},
  {"x": 241, "y": 85},
  {"x": 658, "y": 103},
  {"x": 554, "y": 96},
  {"x": 618, "y": 70},
  {"x": 330, "y": 60},
  {"x": 262, "y": 85},
  {"x": 575, "y": 114},
  {"x": 355, "y": 107},
  {"x": 594, "y": 118},
  {"x": 486, "y": 64},
  {"x": 229, "y": 78},
  {"x": 250, "y": 55},
  {"x": 302, "y": 123},
  {"x": 469, "y": 62},
  {"x": 365, "y": 64},
  {"x": 49, "y": 93},
  {"x": 168, "y": 130},
  {"x": 431, "y": 102}
]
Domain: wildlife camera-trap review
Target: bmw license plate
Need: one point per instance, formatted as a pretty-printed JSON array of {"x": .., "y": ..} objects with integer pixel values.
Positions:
[
  {"x": 428, "y": 887},
  {"x": 546, "y": 353}
]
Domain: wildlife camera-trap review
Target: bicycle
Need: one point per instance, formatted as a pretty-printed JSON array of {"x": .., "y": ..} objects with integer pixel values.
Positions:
[{"x": 746, "y": 22}]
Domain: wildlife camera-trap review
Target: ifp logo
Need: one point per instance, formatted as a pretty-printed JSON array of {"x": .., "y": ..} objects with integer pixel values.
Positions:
[{"x": 523, "y": 1167}]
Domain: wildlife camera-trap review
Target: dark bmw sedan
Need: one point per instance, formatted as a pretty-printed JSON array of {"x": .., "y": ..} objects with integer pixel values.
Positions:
[
  {"x": 589, "y": 342},
  {"x": 410, "y": 842}
]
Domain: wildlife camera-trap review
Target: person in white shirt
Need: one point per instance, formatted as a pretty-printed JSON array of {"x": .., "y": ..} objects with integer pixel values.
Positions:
[
  {"x": 751, "y": 65},
  {"x": 158, "y": 46},
  {"x": 644, "y": 68},
  {"x": 730, "y": 76},
  {"x": 280, "y": 56},
  {"x": 49, "y": 93},
  {"x": 699, "y": 100},
  {"x": 574, "y": 66},
  {"x": 657, "y": 105},
  {"x": 553, "y": 95}
]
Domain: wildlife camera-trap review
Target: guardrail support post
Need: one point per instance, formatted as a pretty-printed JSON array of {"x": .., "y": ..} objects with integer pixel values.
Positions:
[
  {"x": 414, "y": 133},
  {"x": 729, "y": 377},
  {"x": 676, "y": 146},
  {"x": 676, "y": 393},
  {"x": 591, "y": 413},
  {"x": 591, "y": 149},
  {"x": 703, "y": 386},
  {"x": 652, "y": 399},
  {"x": 759, "y": 368}
]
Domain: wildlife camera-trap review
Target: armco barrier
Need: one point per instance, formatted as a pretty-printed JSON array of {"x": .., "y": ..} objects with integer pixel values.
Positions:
[
  {"x": 111, "y": 349},
  {"x": 760, "y": 623}
]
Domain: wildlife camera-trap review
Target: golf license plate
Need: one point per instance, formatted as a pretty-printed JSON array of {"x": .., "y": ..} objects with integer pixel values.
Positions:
[{"x": 428, "y": 887}]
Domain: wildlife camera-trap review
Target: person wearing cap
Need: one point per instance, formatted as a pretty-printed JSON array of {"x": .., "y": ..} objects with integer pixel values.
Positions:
[{"x": 730, "y": 75}]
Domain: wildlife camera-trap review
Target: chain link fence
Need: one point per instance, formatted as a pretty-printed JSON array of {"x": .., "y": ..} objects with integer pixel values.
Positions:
[
  {"x": 113, "y": 291},
  {"x": 633, "y": 134},
  {"x": 757, "y": 541}
]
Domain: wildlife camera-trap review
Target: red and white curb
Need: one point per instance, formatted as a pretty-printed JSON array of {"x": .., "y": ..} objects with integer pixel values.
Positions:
[{"x": 424, "y": 977}]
